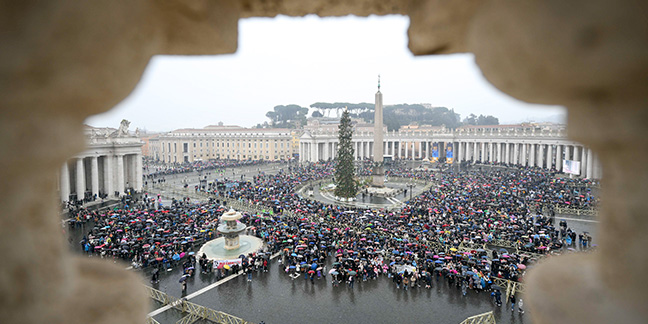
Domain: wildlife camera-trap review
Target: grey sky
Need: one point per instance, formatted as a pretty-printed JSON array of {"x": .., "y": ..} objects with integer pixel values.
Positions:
[{"x": 300, "y": 61}]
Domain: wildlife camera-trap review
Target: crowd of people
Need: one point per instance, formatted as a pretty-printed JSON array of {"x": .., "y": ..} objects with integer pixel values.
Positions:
[{"x": 448, "y": 234}]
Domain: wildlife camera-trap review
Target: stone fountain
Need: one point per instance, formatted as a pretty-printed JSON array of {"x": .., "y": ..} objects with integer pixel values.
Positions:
[{"x": 232, "y": 243}]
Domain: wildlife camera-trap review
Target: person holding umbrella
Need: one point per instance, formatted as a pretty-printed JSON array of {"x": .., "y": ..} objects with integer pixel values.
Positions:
[
  {"x": 497, "y": 296},
  {"x": 351, "y": 280},
  {"x": 405, "y": 280},
  {"x": 183, "y": 281},
  {"x": 311, "y": 275},
  {"x": 155, "y": 276}
]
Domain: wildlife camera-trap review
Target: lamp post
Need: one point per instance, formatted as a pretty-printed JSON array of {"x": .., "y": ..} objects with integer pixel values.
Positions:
[{"x": 410, "y": 185}]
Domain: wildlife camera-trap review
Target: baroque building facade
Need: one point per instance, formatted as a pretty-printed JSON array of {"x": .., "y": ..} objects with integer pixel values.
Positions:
[{"x": 224, "y": 142}]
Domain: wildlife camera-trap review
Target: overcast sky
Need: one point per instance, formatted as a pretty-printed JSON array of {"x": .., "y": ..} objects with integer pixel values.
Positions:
[{"x": 301, "y": 61}]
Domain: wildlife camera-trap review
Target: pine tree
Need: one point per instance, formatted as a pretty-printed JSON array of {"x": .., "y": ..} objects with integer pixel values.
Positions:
[{"x": 346, "y": 186}]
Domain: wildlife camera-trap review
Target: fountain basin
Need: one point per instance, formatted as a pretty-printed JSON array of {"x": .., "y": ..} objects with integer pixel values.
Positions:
[{"x": 216, "y": 249}]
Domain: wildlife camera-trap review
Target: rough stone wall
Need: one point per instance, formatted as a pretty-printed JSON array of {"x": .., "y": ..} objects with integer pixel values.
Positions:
[
  {"x": 61, "y": 61},
  {"x": 363, "y": 8}
]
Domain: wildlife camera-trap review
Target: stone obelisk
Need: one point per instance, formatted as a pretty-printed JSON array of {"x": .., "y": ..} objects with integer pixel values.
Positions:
[{"x": 378, "y": 170}]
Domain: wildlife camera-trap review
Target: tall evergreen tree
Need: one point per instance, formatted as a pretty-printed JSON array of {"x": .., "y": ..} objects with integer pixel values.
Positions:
[{"x": 346, "y": 186}]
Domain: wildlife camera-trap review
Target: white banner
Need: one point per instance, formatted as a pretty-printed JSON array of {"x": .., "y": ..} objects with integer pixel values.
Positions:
[
  {"x": 221, "y": 263},
  {"x": 571, "y": 167}
]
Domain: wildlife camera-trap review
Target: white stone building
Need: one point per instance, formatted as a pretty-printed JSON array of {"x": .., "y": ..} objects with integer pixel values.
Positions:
[
  {"x": 224, "y": 142},
  {"x": 112, "y": 163}
]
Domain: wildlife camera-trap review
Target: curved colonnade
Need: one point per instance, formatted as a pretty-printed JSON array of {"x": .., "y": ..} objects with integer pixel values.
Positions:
[{"x": 526, "y": 147}]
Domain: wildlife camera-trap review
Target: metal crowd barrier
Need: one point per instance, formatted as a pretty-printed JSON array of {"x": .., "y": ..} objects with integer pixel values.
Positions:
[
  {"x": 195, "y": 312},
  {"x": 511, "y": 287},
  {"x": 151, "y": 320},
  {"x": 576, "y": 211},
  {"x": 485, "y": 318}
]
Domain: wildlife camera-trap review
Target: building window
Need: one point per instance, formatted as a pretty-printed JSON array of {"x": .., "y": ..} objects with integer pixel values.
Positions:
[{"x": 185, "y": 148}]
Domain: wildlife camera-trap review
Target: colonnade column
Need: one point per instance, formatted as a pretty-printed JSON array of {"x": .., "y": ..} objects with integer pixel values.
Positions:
[
  {"x": 413, "y": 151},
  {"x": 328, "y": 150},
  {"x": 507, "y": 153},
  {"x": 532, "y": 155},
  {"x": 120, "y": 173},
  {"x": 540, "y": 159},
  {"x": 459, "y": 152},
  {"x": 490, "y": 152},
  {"x": 406, "y": 149},
  {"x": 109, "y": 186},
  {"x": 500, "y": 152},
  {"x": 420, "y": 155},
  {"x": 558, "y": 157},
  {"x": 576, "y": 153},
  {"x": 80, "y": 179},
  {"x": 590, "y": 164},
  {"x": 94, "y": 174},
  {"x": 301, "y": 151},
  {"x": 524, "y": 160},
  {"x": 584, "y": 161},
  {"x": 549, "y": 156},
  {"x": 482, "y": 155},
  {"x": 65, "y": 182},
  {"x": 138, "y": 172}
]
